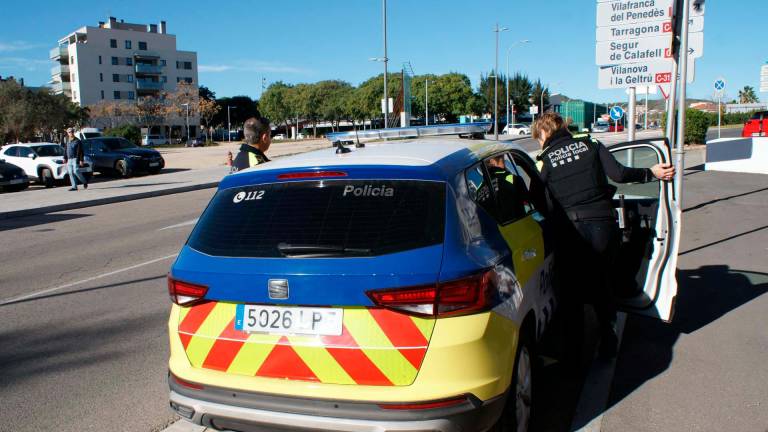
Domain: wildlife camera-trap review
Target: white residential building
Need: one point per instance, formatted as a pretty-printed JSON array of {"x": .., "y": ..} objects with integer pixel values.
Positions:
[{"x": 119, "y": 61}]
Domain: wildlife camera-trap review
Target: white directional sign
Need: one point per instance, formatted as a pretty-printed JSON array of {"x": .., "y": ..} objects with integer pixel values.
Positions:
[
  {"x": 639, "y": 74},
  {"x": 612, "y": 12},
  {"x": 645, "y": 29},
  {"x": 764, "y": 78},
  {"x": 644, "y": 50}
]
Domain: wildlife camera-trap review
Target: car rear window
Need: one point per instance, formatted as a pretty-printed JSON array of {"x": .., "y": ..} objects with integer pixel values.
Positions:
[{"x": 322, "y": 218}]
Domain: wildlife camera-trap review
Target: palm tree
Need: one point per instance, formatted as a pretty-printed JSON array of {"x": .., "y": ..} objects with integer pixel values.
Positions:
[{"x": 747, "y": 95}]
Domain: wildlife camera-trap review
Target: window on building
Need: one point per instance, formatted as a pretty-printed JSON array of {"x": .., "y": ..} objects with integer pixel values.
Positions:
[
  {"x": 116, "y": 94},
  {"x": 178, "y": 79},
  {"x": 115, "y": 78},
  {"x": 71, "y": 59},
  {"x": 127, "y": 44},
  {"x": 114, "y": 61},
  {"x": 102, "y": 94},
  {"x": 99, "y": 59},
  {"x": 113, "y": 43},
  {"x": 178, "y": 64},
  {"x": 163, "y": 62},
  {"x": 188, "y": 80},
  {"x": 101, "y": 77},
  {"x": 188, "y": 65},
  {"x": 74, "y": 94},
  {"x": 131, "y": 95},
  {"x": 164, "y": 79},
  {"x": 129, "y": 61},
  {"x": 142, "y": 46},
  {"x": 130, "y": 78}
]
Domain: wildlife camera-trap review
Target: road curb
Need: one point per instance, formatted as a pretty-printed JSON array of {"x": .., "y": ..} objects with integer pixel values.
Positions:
[{"x": 104, "y": 201}]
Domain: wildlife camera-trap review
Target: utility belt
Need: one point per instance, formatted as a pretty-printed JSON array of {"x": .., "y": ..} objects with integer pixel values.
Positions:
[{"x": 600, "y": 211}]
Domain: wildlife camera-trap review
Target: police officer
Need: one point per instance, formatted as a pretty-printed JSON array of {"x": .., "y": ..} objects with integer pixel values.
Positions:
[
  {"x": 575, "y": 172},
  {"x": 258, "y": 137}
]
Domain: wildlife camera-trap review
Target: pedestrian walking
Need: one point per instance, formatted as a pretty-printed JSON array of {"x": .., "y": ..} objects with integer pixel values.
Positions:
[
  {"x": 575, "y": 172},
  {"x": 75, "y": 159},
  {"x": 258, "y": 137}
]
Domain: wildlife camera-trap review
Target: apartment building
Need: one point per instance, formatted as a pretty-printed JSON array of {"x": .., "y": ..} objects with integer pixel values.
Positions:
[{"x": 119, "y": 61}]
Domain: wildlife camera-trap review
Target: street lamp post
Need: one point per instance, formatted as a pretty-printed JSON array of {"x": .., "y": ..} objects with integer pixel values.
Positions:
[
  {"x": 426, "y": 101},
  {"x": 508, "y": 51},
  {"x": 386, "y": 99},
  {"x": 229, "y": 124},
  {"x": 497, "y": 30},
  {"x": 187, "y": 106}
]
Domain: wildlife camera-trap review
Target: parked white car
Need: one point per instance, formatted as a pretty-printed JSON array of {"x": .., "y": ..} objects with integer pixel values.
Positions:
[
  {"x": 42, "y": 162},
  {"x": 86, "y": 133},
  {"x": 152, "y": 140},
  {"x": 279, "y": 137},
  {"x": 516, "y": 129}
]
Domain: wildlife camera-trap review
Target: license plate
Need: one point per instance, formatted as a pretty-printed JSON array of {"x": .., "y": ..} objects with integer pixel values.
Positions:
[
  {"x": 17, "y": 181},
  {"x": 154, "y": 164},
  {"x": 289, "y": 320}
]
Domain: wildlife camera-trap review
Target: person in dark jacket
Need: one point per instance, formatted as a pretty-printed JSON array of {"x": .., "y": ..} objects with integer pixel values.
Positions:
[
  {"x": 75, "y": 159},
  {"x": 575, "y": 172},
  {"x": 257, "y": 140}
]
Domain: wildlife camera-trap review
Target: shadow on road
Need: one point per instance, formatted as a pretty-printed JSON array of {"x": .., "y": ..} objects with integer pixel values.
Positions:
[
  {"x": 34, "y": 220},
  {"x": 715, "y": 201},
  {"x": 704, "y": 296}
]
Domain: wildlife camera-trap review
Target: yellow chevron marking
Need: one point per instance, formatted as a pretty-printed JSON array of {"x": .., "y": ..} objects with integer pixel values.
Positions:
[
  {"x": 252, "y": 354},
  {"x": 378, "y": 348},
  {"x": 183, "y": 311},
  {"x": 321, "y": 362},
  {"x": 425, "y": 326},
  {"x": 206, "y": 335}
]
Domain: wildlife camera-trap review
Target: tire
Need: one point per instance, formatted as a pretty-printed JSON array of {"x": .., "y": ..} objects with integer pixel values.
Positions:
[
  {"x": 122, "y": 169},
  {"x": 517, "y": 413},
  {"x": 522, "y": 133},
  {"x": 46, "y": 178}
]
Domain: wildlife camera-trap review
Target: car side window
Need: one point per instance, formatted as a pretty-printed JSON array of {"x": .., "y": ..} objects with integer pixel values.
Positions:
[
  {"x": 533, "y": 183},
  {"x": 13, "y": 151},
  {"x": 24, "y": 151},
  {"x": 509, "y": 189},
  {"x": 479, "y": 188}
]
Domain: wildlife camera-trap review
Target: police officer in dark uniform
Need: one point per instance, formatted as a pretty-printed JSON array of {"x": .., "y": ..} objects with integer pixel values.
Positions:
[
  {"x": 575, "y": 172},
  {"x": 258, "y": 137}
]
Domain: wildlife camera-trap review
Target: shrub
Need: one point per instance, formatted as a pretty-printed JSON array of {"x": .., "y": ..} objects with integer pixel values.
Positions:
[
  {"x": 696, "y": 125},
  {"x": 130, "y": 132}
]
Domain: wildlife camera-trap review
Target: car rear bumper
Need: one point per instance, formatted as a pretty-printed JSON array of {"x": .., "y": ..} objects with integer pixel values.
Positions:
[{"x": 244, "y": 411}]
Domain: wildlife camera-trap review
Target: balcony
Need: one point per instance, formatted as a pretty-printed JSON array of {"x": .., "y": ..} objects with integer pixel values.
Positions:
[
  {"x": 148, "y": 69},
  {"x": 148, "y": 85},
  {"x": 146, "y": 54},
  {"x": 58, "y": 52},
  {"x": 61, "y": 87},
  {"x": 61, "y": 69}
]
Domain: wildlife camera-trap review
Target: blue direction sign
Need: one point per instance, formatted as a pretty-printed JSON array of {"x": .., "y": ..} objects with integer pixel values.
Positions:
[
  {"x": 720, "y": 84},
  {"x": 616, "y": 113}
]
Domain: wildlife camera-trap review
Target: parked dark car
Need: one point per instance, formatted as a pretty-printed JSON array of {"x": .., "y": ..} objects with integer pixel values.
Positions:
[
  {"x": 12, "y": 178},
  {"x": 118, "y": 155}
]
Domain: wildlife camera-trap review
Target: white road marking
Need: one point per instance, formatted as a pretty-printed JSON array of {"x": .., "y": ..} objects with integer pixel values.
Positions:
[
  {"x": 90, "y": 279},
  {"x": 179, "y": 225}
]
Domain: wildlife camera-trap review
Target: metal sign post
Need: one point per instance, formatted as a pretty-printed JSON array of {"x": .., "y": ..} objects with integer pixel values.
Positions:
[{"x": 719, "y": 91}]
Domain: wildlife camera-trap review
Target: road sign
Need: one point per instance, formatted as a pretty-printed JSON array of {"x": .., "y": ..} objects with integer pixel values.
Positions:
[
  {"x": 383, "y": 106},
  {"x": 534, "y": 109},
  {"x": 720, "y": 85},
  {"x": 644, "y": 30},
  {"x": 616, "y": 113},
  {"x": 630, "y": 12},
  {"x": 644, "y": 50},
  {"x": 639, "y": 74}
]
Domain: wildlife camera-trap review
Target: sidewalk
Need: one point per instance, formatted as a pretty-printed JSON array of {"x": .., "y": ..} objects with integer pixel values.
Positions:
[{"x": 187, "y": 169}]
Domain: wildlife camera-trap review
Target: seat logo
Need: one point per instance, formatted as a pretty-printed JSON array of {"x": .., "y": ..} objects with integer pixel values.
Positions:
[{"x": 278, "y": 289}]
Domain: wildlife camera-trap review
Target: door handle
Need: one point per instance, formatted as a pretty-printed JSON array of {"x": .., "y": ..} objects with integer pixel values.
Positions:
[{"x": 529, "y": 254}]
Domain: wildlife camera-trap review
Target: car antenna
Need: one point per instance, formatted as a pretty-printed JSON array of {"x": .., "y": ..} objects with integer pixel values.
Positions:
[{"x": 340, "y": 149}]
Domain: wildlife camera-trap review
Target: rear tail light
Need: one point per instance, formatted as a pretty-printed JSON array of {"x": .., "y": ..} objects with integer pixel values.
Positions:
[
  {"x": 463, "y": 296},
  {"x": 185, "y": 293},
  {"x": 442, "y": 403},
  {"x": 187, "y": 384}
]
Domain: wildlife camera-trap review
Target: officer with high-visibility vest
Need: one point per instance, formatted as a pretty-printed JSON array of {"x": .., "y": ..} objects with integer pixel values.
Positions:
[
  {"x": 575, "y": 171},
  {"x": 258, "y": 137}
]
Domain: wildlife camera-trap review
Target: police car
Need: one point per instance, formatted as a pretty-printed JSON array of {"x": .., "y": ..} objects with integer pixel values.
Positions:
[{"x": 375, "y": 286}]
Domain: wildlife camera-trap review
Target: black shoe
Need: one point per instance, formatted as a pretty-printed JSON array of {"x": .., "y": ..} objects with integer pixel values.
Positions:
[
  {"x": 609, "y": 345},
  {"x": 72, "y": 189},
  {"x": 85, "y": 185}
]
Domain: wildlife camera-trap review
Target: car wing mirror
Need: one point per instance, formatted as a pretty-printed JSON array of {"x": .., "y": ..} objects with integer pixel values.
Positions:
[{"x": 32, "y": 156}]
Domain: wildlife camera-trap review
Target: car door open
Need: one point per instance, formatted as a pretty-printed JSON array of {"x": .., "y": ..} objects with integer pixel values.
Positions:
[{"x": 649, "y": 220}]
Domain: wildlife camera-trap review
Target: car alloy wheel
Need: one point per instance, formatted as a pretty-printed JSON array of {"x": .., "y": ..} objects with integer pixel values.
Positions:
[
  {"x": 122, "y": 168},
  {"x": 523, "y": 390}
]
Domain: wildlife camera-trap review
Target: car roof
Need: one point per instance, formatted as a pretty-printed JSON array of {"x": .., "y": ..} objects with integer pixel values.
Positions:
[
  {"x": 446, "y": 153},
  {"x": 31, "y": 144}
]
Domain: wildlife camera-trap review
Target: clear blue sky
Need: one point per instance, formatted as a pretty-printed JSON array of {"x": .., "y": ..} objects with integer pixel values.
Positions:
[{"x": 240, "y": 41}]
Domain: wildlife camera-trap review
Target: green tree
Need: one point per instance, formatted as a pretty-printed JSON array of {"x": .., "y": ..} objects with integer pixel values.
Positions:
[
  {"x": 332, "y": 96},
  {"x": 536, "y": 94},
  {"x": 371, "y": 93},
  {"x": 747, "y": 95},
  {"x": 486, "y": 90},
  {"x": 520, "y": 88},
  {"x": 242, "y": 108},
  {"x": 130, "y": 132},
  {"x": 450, "y": 96},
  {"x": 206, "y": 93},
  {"x": 274, "y": 103}
]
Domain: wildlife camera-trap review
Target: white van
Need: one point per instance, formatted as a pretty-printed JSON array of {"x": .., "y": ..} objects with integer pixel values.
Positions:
[{"x": 86, "y": 133}]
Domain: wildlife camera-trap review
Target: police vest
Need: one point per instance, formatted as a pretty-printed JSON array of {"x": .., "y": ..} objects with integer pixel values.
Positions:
[{"x": 575, "y": 173}]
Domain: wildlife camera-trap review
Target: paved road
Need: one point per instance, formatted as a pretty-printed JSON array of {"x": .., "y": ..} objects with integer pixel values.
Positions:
[{"x": 89, "y": 356}]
